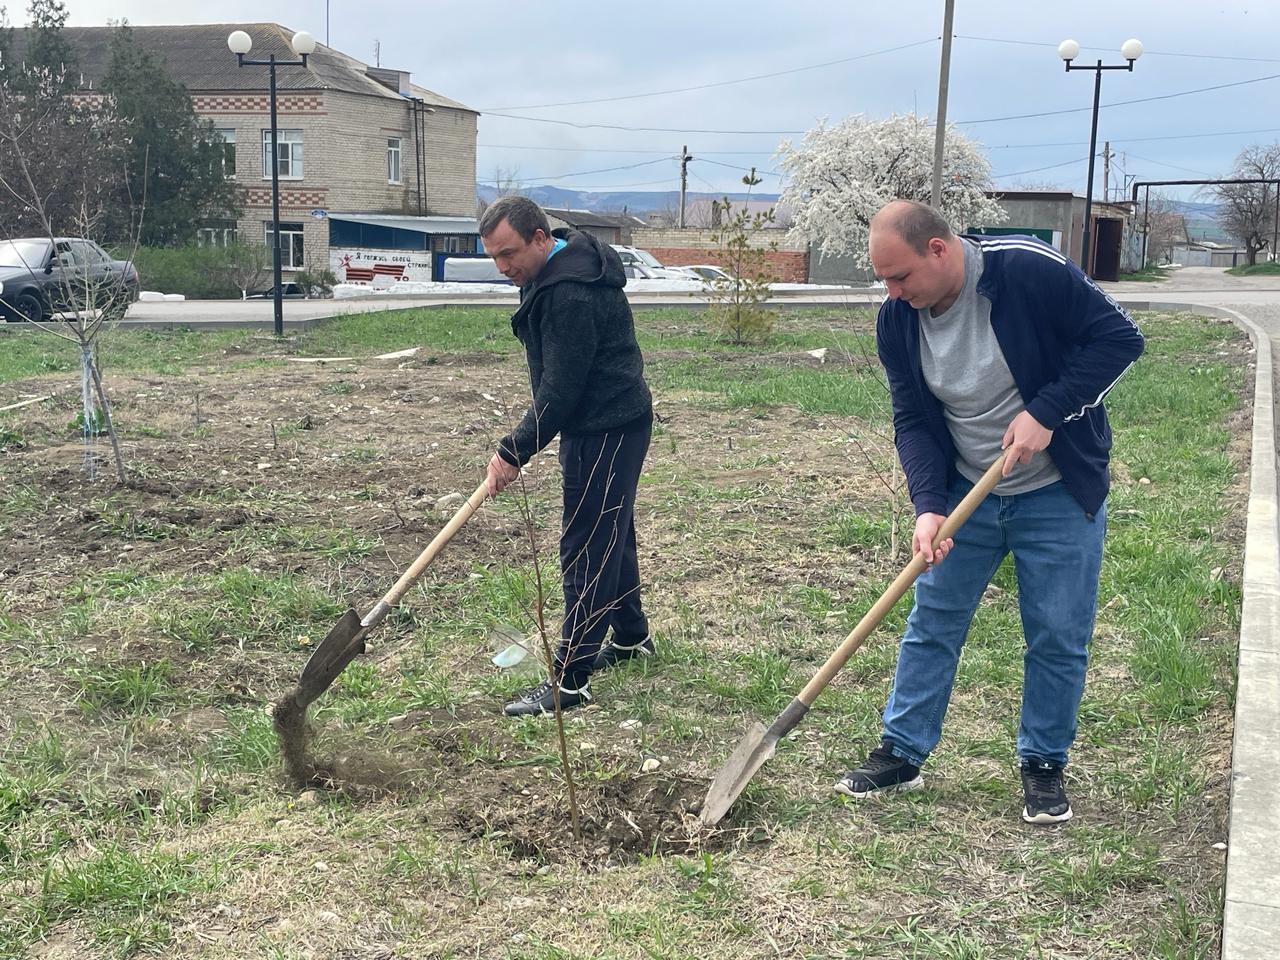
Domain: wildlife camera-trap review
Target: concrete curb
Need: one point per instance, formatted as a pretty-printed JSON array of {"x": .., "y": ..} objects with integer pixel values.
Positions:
[{"x": 1251, "y": 912}]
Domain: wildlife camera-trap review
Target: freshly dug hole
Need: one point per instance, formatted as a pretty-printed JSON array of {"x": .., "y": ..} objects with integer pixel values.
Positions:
[{"x": 622, "y": 820}]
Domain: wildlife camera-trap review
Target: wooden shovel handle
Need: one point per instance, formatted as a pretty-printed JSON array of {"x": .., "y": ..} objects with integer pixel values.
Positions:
[
  {"x": 419, "y": 566},
  {"x": 899, "y": 586}
]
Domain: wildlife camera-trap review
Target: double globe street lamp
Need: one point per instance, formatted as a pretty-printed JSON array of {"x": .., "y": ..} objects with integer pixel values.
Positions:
[
  {"x": 1068, "y": 50},
  {"x": 240, "y": 43}
]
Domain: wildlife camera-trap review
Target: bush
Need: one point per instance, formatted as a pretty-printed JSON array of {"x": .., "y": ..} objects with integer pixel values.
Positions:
[
  {"x": 315, "y": 283},
  {"x": 198, "y": 273}
]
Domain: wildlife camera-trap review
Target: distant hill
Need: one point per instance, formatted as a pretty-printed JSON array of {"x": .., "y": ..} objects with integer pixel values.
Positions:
[
  {"x": 1202, "y": 220},
  {"x": 639, "y": 203}
]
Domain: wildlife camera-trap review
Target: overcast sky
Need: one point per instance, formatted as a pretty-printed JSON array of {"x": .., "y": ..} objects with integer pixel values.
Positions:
[{"x": 516, "y": 58}]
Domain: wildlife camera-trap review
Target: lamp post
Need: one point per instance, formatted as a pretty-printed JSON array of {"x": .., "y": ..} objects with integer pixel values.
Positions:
[
  {"x": 240, "y": 43},
  {"x": 1068, "y": 50}
]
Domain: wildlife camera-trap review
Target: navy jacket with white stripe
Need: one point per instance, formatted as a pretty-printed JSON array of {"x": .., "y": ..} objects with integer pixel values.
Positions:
[{"x": 1066, "y": 343}]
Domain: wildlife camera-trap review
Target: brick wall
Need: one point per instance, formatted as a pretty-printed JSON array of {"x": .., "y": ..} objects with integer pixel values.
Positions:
[
  {"x": 344, "y": 160},
  {"x": 679, "y": 247}
]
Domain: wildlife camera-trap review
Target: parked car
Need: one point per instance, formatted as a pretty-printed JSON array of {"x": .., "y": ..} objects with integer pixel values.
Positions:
[
  {"x": 706, "y": 271},
  {"x": 39, "y": 276},
  {"x": 638, "y": 271},
  {"x": 288, "y": 291},
  {"x": 633, "y": 256}
]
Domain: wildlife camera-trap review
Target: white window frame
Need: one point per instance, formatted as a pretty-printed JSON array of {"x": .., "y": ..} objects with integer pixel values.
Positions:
[
  {"x": 292, "y": 252},
  {"x": 216, "y": 235},
  {"x": 395, "y": 154},
  {"x": 289, "y": 143},
  {"x": 228, "y": 135}
]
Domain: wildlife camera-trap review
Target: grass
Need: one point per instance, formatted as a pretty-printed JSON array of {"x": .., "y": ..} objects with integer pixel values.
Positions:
[
  {"x": 1269, "y": 269},
  {"x": 140, "y": 796},
  {"x": 1149, "y": 274},
  {"x": 30, "y": 353},
  {"x": 453, "y": 329},
  {"x": 760, "y": 387}
]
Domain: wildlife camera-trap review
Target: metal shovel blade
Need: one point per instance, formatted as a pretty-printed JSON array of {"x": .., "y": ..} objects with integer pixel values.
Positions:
[
  {"x": 748, "y": 756},
  {"x": 342, "y": 645}
]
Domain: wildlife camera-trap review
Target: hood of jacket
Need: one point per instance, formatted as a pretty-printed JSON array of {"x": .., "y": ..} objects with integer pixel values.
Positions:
[{"x": 584, "y": 259}]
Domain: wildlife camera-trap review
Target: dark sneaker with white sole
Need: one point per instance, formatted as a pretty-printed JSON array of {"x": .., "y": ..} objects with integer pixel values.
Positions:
[
  {"x": 540, "y": 700},
  {"x": 1046, "y": 799},
  {"x": 619, "y": 649},
  {"x": 881, "y": 772}
]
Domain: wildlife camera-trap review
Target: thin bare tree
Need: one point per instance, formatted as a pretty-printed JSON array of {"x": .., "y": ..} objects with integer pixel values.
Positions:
[
  {"x": 1249, "y": 209},
  {"x": 71, "y": 289}
]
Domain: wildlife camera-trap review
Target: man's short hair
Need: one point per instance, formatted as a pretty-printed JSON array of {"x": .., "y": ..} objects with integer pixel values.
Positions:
[
  {"x": 523, "y": 214},
  {"x": 918, "y": 223}
]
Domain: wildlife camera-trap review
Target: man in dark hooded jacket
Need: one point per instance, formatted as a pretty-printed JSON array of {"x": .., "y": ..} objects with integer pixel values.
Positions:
[{"x": 588, "y": 385}]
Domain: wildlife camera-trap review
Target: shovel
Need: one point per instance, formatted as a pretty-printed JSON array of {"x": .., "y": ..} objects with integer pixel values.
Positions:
[
  {"x": 345, "y": 641},
  {"x": 758, "y": 745}
]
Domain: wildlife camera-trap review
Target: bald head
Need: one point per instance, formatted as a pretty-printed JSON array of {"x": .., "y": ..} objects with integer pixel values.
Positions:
[
  {"x": 916, "y": 255},
  {"x": 913, "y": 222}
]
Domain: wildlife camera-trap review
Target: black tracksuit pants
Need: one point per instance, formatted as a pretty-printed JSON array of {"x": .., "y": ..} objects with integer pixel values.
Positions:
[{"x": 598, "y": 543}]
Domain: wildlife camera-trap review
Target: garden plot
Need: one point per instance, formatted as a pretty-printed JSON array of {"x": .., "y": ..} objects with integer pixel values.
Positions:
[{"x": 147, "y": 629}]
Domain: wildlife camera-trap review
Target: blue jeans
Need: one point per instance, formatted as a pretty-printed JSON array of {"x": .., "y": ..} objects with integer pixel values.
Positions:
[{"x": 1057, "y": 553}]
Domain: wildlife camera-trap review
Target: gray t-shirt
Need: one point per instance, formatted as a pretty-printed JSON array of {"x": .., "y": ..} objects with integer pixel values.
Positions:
[{"x": 965, "y": 369}]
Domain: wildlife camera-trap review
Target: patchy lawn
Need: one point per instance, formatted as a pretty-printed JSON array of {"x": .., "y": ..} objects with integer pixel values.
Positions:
[{"x": 145, "y": 630}]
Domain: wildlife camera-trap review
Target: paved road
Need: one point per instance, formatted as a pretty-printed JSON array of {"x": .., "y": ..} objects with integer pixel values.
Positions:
[{"x": 222, "y": 314}]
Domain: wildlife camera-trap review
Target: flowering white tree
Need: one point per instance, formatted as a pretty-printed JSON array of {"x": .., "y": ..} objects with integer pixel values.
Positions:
[{"x": 839, "y": 176}]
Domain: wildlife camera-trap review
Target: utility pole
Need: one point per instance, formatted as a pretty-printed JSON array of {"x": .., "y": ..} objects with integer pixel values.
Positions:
[
  {"x": 1106, "y": 171},
  {"x": 944, "y": 73},
  {"x": 1275, "y": 228},
  {"x": 684, "y": 180}
]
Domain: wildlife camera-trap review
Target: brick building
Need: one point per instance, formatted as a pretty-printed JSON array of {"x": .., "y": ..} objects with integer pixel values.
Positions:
[
  {"x": 376, "y": 173},
  {"x": 789, "y": 259}
]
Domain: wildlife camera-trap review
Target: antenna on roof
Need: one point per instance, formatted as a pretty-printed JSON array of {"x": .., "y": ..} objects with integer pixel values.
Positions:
[
  {"x": 377, "y": 52},
  {"x": 326, "y": 23}
]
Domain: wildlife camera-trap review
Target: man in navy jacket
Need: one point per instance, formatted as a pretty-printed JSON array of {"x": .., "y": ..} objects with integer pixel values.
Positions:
[{"x": 989, "y": 344}]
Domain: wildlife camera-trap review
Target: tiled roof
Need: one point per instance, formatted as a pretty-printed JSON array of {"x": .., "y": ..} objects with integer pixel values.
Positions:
[{"x": 198, "y": 58}]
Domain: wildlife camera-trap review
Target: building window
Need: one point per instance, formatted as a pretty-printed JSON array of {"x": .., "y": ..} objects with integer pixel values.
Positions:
[
  {"x": 451, "y": 244},
  {"x": 393, "y": 160},
  {"x": 290, "y": 244},
  {"x": 216, "y": 233},
  {"x": 228, "y": 153},
  {"x": 289, "y": 154}
]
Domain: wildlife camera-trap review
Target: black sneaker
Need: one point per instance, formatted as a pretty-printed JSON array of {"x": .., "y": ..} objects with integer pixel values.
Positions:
[
  {"x": 882, "y": 772},
  {"x": 1046, "y": 800},
  {"x": 541, "y": 700},
  {"x": 614, "y": 652}
]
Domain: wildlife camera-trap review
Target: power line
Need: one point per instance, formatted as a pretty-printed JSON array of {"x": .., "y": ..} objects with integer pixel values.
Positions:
[
  {"x": 1145, "y": 53},
  {"x": 592, "y": 187},
  {"x": 768, "y": 173},
  {"x": 1173, "y": 166},
  {"x": 614, "y": 126},
  {"x": 588, "y": 173},
  {"x": 1121, "y": 103},
  {"x": 719, "y": 83},
  {"x": 1052, "y": 166},
  {"x": 1017, "y": 116},
  {"x": 706, "y": 181},
  {"x": 1176, "y": 136},
  {"x": 718, "y": 153}
]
